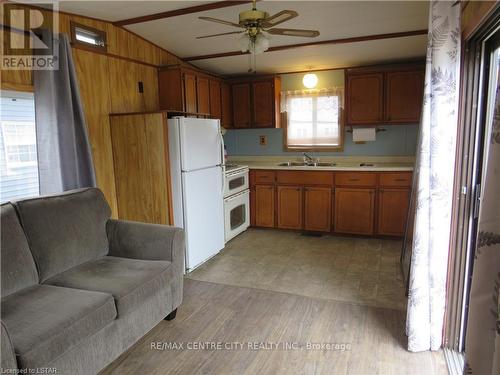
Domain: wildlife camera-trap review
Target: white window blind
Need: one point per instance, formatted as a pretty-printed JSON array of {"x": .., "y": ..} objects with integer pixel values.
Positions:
[
  {"x": 314, "y": 119},
  {"x": 18, "y": 155}
]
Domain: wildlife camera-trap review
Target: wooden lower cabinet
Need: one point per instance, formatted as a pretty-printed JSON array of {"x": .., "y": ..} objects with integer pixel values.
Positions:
[
  {"x": 317, "y": 209},
  {"x": 289, "y": 207},
  {"x": 360, "y": 203},
  {"x": 354, "y": 210},
  {"x": 392, "y": 211},
  {"x": 264, "y": 205}
]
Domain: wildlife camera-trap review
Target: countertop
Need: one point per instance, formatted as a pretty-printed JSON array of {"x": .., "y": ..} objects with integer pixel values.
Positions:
[{"x": 380, "y": 163}]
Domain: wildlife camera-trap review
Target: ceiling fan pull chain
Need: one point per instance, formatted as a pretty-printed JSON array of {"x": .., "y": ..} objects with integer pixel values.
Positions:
[{"x": 250, "y": 62}]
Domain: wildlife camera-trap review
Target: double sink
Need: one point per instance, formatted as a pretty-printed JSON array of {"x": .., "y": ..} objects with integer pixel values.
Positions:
[{"x": 317, "y": 164}]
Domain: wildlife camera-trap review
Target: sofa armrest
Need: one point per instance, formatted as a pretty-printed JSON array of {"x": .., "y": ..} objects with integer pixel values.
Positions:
[
  {"x": 130, "y": 239},
  {"x": 8, "y": 360}
]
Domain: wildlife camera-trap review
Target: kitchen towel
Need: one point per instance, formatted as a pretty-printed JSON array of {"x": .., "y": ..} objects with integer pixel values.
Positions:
[{"x": 363, "y": 134}]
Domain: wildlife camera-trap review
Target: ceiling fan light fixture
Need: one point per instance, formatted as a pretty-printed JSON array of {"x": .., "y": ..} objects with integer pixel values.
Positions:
[
  {"x": 261, "y": 43},
  {"x": 310, "y": 80},
  {"x": 244, "y": 43}
]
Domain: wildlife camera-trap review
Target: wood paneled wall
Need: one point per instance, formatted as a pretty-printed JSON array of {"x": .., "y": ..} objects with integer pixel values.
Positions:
[{"x": 108, "y": 84}]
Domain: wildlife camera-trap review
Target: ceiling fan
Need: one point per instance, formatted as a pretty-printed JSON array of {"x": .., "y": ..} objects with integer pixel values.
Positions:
[{"x": 255, "y": 24}]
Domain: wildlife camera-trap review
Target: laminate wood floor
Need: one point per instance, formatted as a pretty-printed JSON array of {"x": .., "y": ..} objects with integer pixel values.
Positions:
[
  {"x": 358, "y": 270},
  {"x": 370, "y": 340}
]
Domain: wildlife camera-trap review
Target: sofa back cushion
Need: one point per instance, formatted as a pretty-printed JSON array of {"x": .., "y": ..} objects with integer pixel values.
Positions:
[
  {"x": 65, "y": 230},
  {"x": 17, "y": 265}
]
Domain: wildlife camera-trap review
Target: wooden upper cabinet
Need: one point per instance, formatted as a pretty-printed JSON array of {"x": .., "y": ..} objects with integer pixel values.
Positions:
[
  {"x": 392, "y": 211},
  {"x": 256, "y": 102},
  {"x": 241, "y": 105},
  {"x": 365, "y": 95},
  {"x": 404, "y": 93},
  {"x": 390, "y": 94},
  {"x": 263, "y": 104},
  {"x": 264, "y": 206},
  {"x": 203, "y": 94},
  {"x": 187, "y": 90},
  {"x": 171, "y": 89},
  {"x": 190, "y": 100},
  {"x": 289, "y": 207},
  {"x": 226, "y": 107},
  {"x": 215, "y": 99},
  {"x": 317, "y": 209},
  {"x": 354, "y": 210}
]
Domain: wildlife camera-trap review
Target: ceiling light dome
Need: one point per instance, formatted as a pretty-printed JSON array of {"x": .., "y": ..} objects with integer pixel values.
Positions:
[{"x": 310, "y": 80}]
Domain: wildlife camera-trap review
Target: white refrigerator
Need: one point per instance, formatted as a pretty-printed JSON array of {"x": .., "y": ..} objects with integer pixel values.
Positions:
[{"x": 196, "y": 154}]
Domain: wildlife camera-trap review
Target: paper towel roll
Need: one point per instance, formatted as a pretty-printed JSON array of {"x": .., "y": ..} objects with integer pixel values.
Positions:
[{"x": 363, "y": 134}]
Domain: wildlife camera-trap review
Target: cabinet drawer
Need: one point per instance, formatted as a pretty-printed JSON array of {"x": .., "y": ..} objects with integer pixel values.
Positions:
[
  {"x": 265, "y": 177},
  {"x": 304, "y": 178},
  {"x": 356, "y": 179},
  {"x": 396, "y": 179}
]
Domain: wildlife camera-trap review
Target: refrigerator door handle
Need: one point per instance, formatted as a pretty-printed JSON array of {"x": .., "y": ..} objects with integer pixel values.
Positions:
[{"x": 223, "y": 160}]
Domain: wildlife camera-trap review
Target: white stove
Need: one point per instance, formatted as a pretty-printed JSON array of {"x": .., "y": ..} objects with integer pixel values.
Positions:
[
  {"x": 233, "y": 167},
  {"x": 236, "y": 200}
]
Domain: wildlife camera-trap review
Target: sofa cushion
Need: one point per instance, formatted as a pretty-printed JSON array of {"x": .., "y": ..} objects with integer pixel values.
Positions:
[
  {"x": 18, "y": 270},
  {"x": 65, "y": 230},
  {"x": 130, "y": 281},
  {"x": 44, "y": 321}
]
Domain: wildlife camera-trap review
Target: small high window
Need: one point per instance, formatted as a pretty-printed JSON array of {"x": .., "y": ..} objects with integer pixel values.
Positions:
[{"x": 88, "y": 37}]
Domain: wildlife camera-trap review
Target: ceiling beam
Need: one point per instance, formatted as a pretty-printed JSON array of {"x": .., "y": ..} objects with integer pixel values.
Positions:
[
  {"x": 309, "y": 44},
  {"x": 180, "y": 12}
]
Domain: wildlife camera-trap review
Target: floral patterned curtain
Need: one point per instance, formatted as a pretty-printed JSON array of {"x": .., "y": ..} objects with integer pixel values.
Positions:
[
  {"x": 482, "y": 348},
  {"x": 434, "y": 180}
]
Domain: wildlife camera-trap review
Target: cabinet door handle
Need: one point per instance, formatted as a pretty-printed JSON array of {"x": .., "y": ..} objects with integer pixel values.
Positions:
[
  {"x": 400, "y": 179},
  {"x": 354, "y": 179}
]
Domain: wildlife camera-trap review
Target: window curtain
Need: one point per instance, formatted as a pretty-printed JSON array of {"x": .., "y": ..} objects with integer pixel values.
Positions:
[
  {"x": 482, "y": 347},
  {"x": 324, "y": 113},
  {"x": 64, "y": 154},
  {"x": 434, "y": 182}
]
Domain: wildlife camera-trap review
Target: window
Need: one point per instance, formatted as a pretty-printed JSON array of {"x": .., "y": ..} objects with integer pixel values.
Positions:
[
  {"x": 88, "y": 37},
  {"x": 314, "y": 120},
  {"x": 18, "y": 155}
]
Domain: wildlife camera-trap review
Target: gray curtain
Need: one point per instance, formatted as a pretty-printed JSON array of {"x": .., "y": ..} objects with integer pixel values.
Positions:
[
  {"x": 482, "y": 347},
  {"x": 64, "y": 154}
]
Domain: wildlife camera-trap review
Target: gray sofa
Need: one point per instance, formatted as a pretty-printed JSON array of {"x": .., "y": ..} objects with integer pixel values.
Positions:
[{"x": 79, "y": 288}]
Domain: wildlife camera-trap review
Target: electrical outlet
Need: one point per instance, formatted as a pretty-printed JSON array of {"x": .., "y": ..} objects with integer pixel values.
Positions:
[{"x": 262, "y": 140}]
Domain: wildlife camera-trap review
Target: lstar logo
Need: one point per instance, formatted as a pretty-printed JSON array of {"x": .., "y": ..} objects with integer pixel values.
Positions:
[{"x": 30, "y": 36}]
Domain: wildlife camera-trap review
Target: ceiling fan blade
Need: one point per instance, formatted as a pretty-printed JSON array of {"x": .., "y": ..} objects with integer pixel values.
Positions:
[
  {"x": 278, "y": 18},
  {"x": 221, "y": 21},
  {"x": 209, "y": 36},
  {"x": 294, "y": 32}
]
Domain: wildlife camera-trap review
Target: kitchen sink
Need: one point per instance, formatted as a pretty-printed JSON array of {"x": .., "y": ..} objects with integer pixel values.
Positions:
[
  {"x": 323, "y": 164},
  {"x": 293, "y": 164},
  {"x": 302, "y": 164}
]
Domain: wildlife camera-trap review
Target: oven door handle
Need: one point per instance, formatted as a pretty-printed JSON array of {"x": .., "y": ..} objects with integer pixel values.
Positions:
[{"x": 236, "y": 196}]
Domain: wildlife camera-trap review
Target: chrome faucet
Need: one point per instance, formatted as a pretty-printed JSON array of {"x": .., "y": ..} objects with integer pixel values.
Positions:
[{"x": 308, "y": 158}]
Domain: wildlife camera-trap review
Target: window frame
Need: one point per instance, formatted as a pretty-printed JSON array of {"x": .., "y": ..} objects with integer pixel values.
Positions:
[
  {"x": 89, "y": 46},
  {"x": 293, "y": 148},
  {"x": 12, "y": 168}
]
